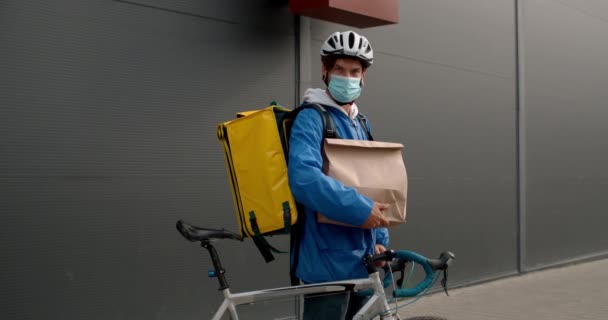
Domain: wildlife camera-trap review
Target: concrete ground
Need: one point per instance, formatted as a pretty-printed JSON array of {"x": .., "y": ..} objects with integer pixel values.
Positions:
[{"x": 578, "y": 291}]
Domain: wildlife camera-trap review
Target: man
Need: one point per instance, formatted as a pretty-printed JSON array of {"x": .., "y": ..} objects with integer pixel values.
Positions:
[{"x": 331, "y": 252}]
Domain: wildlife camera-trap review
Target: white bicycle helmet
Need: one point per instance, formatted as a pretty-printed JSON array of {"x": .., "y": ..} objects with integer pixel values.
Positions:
[{"x": 349, "y": 43}]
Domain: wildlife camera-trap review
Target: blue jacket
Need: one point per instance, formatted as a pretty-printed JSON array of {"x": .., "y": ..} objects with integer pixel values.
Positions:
[{"x": 328, "y": 252}]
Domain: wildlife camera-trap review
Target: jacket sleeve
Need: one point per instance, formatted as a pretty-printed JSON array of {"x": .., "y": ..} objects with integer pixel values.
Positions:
[
  {"x": 382, "y": 236},
  {"x": 310, "y": 186}
]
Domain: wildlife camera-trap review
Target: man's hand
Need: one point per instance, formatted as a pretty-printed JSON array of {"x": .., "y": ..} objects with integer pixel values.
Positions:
[
  {"x": 379, "y": 249},
  {"x": 376, "y": 218}
]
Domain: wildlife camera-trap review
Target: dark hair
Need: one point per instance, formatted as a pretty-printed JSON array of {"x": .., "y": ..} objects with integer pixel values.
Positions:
[{"x": 330, "y": 61}]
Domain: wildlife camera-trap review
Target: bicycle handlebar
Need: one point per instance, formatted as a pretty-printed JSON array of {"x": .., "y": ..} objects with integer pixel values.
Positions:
[
  {"x": 205, "y": 235},
  {"x": 429, "y": 266}
]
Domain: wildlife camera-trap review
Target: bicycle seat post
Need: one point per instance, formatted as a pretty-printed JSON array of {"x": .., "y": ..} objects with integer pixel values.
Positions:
[{"x": 219, "y": 271}]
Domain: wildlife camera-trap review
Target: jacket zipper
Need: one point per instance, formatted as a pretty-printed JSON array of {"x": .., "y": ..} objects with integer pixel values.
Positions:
[
  {"x": 358, "y": 134},
  {"x": 356, "y": 129}
]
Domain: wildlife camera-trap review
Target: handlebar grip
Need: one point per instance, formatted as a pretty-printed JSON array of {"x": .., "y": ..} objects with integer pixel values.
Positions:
[{"x": 422, "y": 285}]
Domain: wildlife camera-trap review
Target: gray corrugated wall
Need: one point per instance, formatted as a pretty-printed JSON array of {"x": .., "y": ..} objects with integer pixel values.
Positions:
[
  {"x": 108, "y": 114},
  {"x": 566, "y": 102},
  {"x": 108, "y": 137}
]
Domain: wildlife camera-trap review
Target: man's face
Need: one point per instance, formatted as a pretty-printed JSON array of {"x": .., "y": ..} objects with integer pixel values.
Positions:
[{"x": 346, "y": 67}]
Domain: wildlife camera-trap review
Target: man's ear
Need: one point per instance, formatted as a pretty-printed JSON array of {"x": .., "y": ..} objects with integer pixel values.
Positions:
[
  {"x": 363, "y": 79},
  {"x": 323, "y": 72}
]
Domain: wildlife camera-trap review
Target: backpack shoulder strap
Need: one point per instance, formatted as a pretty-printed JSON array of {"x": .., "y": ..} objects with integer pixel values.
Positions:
[
  {"x": 329, "y": 126},
  {"x": 363, "y": 122}
]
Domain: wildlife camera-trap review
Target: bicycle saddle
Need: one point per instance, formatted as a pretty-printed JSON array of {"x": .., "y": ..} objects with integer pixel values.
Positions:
[{"x": 194, "y": 233}]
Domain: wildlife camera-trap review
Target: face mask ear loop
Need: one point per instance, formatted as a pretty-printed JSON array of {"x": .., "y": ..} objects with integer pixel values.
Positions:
[{"x": 325, "y": 78}]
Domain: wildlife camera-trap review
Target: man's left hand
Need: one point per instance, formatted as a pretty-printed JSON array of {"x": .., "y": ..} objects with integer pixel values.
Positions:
[{"x": 379, "y": 249}]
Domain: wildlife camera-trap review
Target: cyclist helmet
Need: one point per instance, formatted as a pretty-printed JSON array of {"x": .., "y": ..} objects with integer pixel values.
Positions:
[{"x": 349, "y": 43}]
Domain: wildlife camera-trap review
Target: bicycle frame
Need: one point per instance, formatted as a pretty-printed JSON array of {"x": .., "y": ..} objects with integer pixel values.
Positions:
[{"x": 377, "y": 303}]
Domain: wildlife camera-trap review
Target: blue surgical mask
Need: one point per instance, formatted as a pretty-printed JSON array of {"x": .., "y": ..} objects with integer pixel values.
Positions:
[{"x": 344, "y": 89}]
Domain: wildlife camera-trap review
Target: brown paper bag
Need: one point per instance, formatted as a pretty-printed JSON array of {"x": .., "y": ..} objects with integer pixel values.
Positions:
[{"x": 376, "y": 169}]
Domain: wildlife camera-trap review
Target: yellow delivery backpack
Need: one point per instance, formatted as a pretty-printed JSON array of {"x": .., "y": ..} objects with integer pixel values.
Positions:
[{"x": 256, "y": 152}]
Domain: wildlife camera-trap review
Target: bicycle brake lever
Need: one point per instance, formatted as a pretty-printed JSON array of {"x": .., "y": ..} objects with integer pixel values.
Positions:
[
  {"x": 400, "y": 281},
  {"x": 398, "y": 266},
  {"x": 444, "y": 281}
]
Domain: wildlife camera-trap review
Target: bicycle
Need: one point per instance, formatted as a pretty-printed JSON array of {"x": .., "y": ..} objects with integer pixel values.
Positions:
[{"x": 376, "y": 306}]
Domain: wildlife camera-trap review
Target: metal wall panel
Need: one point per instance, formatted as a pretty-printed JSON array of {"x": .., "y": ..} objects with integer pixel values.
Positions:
[
  {"x": 108, "y": 136},
  {"x": 107, "y": 133},
  {"x": 443, "y": 83},
  {"x": 566, "y": 74}
]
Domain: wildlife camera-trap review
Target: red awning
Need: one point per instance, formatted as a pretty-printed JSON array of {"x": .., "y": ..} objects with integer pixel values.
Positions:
[{"x": 356, "y": 13}]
